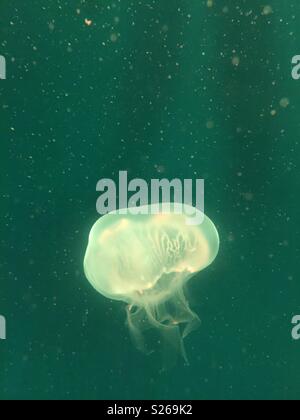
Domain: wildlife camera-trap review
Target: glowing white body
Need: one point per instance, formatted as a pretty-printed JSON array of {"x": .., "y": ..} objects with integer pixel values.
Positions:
[{"x": 145, "y": 260}]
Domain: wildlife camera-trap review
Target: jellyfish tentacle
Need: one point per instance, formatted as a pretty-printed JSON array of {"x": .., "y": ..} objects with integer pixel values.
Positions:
[
  {"x": 136, "y": 324},
  {"x": 169, "y": 332},
  {"x": 172, "y": 319}
]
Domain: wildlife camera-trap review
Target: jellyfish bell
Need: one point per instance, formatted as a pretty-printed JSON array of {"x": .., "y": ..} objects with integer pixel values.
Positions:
[{"x": 145, "y": 258}]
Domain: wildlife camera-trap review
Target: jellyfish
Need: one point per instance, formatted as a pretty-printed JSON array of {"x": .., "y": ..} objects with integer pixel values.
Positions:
[{"x": 144, "y": 257}]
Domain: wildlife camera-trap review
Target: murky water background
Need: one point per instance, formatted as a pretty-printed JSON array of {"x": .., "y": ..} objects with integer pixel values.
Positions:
[{"x": 158, "y": 88}]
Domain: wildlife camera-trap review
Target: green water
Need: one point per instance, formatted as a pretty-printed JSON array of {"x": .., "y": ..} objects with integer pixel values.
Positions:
[{"x": 162, "y": 88}]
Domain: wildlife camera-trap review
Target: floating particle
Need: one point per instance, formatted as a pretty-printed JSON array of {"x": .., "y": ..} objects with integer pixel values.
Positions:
[
  {"x": 114, "y": 37},
  {"x": 51, "y": 26},
  {"x": 248, "y": 196},
  {"x": 236, "y": 61},
  {"x": 284, "y": 102},
  {"x": 210, "y": 124},
  {"x": 160, "y": 169},
  {"x": 267, "y": 10}
]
